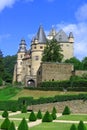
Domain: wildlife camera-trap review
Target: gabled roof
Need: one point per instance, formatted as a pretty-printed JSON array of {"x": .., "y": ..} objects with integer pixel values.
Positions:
[
  {"x": 61, "y": 36},
  {"x": 41, "y": 35}
]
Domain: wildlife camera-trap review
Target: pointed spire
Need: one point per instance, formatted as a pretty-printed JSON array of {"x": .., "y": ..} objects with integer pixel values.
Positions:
[
  {"x": 22, "y": 46},
  {"x": 71, "y": 35},
  {"x": 52, "y": 32},
  {"x": 41, "y": 35}
]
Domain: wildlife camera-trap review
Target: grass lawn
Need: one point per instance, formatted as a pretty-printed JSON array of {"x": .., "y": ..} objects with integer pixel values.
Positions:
[
  {"x": 21, "y": 115},
  {"x": 13, "y": 93},
  {"x": 38, "y": 93},
  {"x": 73, "y": 117},
  {"x": 8, "y": 92},
  {"x": 16, "y": 122},
  {"x": 52, "y": 126}
]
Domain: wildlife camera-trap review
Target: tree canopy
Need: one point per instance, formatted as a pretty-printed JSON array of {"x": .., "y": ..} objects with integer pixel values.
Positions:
[
  {"x": 1, "y": 65},
  {"x": 52, "y": 52}
]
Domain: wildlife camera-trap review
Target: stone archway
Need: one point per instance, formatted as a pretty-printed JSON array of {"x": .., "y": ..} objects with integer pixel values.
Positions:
[{"x": 31, "y": 83}]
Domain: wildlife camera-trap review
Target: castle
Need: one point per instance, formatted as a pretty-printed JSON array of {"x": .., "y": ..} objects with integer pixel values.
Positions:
[{"x": 28, "y": 64}]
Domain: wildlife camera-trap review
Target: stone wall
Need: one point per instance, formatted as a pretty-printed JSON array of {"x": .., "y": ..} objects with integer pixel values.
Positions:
[
  {"x": 54, "y": 71},
  {"x": 76, "y": 106},
  {"x": 80, "y": 72}
]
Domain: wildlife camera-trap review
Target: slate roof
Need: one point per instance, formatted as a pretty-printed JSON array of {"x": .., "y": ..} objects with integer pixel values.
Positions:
[
  {"x": 61, "y": 36},
  {"x": 22, "y": 47},
  {"x": 41, "y": 35},
  {"x": 71, "y": 35}
]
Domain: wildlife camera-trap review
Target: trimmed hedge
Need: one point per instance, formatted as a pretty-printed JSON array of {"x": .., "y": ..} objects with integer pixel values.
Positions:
[
  {"x": 8, "y": 105},
  {"x": 32, "y": 116},
  {"x": 5, "y": 124},
  {"x": 5, "y": 114},
  {"x": 77, "y": 85},
  {"x": 47, "y": 117},
  {"x": 66, "y": 111}
]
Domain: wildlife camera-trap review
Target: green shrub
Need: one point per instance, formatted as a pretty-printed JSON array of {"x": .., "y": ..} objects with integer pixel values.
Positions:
[
  {"x": 5, "y": 114},
  {"x": 32, "y": 116},
  {"x": 66, "y": 111},
  {"x": 13, "y": 108},
  {"x": 47, "y": 117},
  {"x": 73, "y": 127},
  {"x": 54, "y": 110},
  {"x": 12, "y": 126},
  {"x": 24, "y": 109},
  {"x": 5, "y": 124},
  {"x": 81, "y": 126},
  {"x": 53, "y": 115},
  {"x": 23, "y": 125},
  {"x": 39, "y": 115}
]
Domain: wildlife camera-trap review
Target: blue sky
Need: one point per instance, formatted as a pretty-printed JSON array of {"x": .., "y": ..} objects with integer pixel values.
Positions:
[{"x": 21, "y": 19}]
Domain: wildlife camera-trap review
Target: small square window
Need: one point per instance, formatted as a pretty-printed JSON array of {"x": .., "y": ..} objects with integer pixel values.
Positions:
[{"x": 41, "y": 47}]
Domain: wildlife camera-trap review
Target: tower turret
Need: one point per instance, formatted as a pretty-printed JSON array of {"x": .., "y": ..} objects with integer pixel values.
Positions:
[
  {"x": 71, "y": 37},
  {"x": 20, "y": 55}
]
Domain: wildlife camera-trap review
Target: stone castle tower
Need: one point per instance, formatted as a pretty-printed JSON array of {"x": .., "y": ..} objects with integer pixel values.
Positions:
[{"x": 28, "y": 61}]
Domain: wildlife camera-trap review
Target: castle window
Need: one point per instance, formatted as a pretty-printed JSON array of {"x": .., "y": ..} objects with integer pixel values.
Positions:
[
  {"x": 36, "y": 57},
  {"x": 34, "y": 47},
  {"x": 41, "y": 47}
]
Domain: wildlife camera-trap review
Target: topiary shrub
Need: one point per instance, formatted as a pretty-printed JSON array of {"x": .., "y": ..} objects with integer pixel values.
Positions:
[
  {"x": 24, "y": 109},
  {"x": 12, "y": 126},
  {"x": 23, "y": 125},
  {"x": 39, "y": 115},
  {"x": 13, "y": 109},
  {"x": 81, "y": 126},
  {"x": 73, "y": 127},
  {"x": 66, "y": 111},
  {"x": 54, "y": 110},
  {"x": 53, "y": 115},
  {"x": 5, "y": 124},
  {"x": 5, "y": 114},
  {"x": 47, "y": 117},
  {"x": 32, "y": 116}
]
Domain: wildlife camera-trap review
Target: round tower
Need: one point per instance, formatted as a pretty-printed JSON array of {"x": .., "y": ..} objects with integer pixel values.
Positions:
[
  {"x": 20, "y": 55},
  {"x": 37, "y": 48}
]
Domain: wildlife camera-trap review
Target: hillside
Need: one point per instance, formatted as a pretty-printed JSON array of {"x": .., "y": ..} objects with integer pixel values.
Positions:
[{"x": 13, "y": 93}]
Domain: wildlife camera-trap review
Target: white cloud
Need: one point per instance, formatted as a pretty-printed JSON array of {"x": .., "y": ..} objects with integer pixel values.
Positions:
[
  {"x": 81, "y": 13},
  {"x": 80, "y": 35},
  {"x": 6, "y": 3},
  {"x": 10, "y": 3}
]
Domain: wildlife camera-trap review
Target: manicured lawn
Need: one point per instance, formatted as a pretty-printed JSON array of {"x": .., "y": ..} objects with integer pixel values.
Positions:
[
  {"x": 13, "y": 93},
  {"x": 8, "y": 92},
  {"x": 38, "y": 93},
  {"x": 52, "y": 126},
  {"x": 73, "y": 117},
  {"x": 21, "y": 115}
]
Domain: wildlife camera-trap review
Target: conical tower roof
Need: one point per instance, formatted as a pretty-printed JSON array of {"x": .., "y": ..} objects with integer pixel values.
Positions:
[
  {"x": 22, "y": 46},
  {"x": 71, "y": 35},
  {"x": 41, "y": 35}
]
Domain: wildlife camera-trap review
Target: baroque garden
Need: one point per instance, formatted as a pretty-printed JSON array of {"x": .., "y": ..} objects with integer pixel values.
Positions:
[{"x": 47, "y": 86}]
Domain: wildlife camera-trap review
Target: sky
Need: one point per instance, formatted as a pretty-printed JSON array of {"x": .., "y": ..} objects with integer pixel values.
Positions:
[{"x": 22, "y": 18}]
